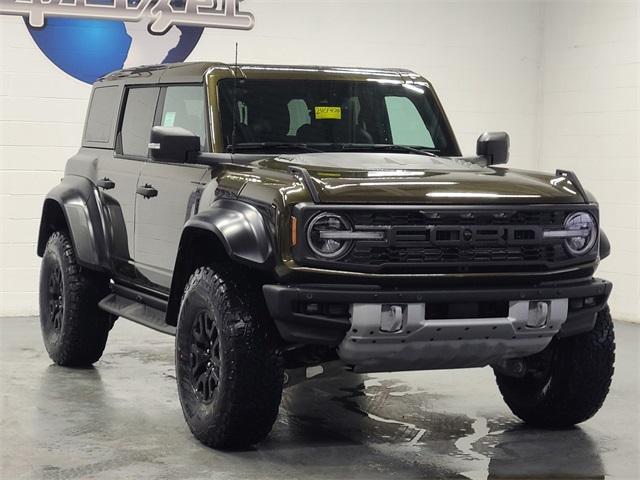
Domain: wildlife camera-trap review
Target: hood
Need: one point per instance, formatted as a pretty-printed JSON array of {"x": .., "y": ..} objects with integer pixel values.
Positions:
[{"x": 419, "y": 179}]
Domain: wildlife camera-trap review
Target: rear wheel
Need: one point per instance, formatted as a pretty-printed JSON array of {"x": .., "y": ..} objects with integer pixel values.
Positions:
[
  {"x": 570, "y": 379},
  {"x": 228, "y": 365},
  {"x": 74, "y": 329}
]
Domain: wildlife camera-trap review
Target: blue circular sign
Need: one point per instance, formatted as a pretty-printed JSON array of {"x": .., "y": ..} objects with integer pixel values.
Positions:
[{"x": 87, "y": 49}]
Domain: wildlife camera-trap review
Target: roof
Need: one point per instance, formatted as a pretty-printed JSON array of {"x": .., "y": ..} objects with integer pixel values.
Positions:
[{"x": 192, "y": 72}]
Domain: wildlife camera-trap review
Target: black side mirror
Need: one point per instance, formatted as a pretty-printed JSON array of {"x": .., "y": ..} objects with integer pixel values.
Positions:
[
  {"x": 494, "y": 146},
  {"x": 173, "y": 144}
]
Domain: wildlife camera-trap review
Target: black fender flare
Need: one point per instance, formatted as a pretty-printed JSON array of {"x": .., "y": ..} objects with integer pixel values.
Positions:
[
  {"x": 240, "y": 228},
  {"x": 605, "y": 245},
  {"x": 78, "y": 200}
]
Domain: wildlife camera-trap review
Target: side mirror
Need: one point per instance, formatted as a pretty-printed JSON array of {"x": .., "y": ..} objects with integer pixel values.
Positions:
[
  {"x": 494, "y": 146},
  {"x": 173, "y": 144}
]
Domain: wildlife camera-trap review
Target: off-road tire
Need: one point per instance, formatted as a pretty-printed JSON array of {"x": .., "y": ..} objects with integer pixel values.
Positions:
[
  {"x": 575, "y": 385},
  {"x": 243, "y": 402},
  {"x": 74, "y": 329}
]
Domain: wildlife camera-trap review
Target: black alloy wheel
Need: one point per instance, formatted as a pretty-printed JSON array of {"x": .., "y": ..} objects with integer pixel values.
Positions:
[
  {"x": 55, "y": 300},
  {"x": 229, "y": 367},
  {"x": 74, "y": 328},
  {"x": 205, "y": 356}
]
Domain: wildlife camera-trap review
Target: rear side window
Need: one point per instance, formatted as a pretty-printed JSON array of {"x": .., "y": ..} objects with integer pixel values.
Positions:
[
  {"x": 102, "y": 114},
  {"x": 135, "y": 131}
]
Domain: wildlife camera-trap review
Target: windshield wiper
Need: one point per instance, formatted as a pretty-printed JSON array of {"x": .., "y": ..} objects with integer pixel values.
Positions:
[
  {"x": 383, "y": 147},
  {"x": 267, "y": 145}
]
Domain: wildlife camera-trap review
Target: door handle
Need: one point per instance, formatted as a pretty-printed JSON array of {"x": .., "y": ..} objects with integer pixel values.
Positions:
[
  {"x": 106, "y": 183},
  {"x": 147, "y": 191}
]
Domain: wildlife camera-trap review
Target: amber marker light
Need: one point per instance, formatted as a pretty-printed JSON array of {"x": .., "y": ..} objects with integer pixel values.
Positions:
[{"x": 294, "y": 231}]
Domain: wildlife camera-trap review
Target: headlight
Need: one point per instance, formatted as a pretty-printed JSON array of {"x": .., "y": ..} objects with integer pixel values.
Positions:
[
  {"x": 325, "y": 235},
  {"x": 581, "y": 231}
]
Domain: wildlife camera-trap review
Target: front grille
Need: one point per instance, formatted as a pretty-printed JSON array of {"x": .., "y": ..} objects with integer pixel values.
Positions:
[
  {"x": 455, "y": 240},
  {"x": 382, "y": 255},
  {"x": 458, "y": 217}
]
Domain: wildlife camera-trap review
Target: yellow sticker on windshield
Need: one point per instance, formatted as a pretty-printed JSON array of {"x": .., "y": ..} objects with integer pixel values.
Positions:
[{"x": 328, "y": 113}]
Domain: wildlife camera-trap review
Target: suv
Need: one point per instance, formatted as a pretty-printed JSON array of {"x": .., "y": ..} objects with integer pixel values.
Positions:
[{"x": 283, "y": 221}]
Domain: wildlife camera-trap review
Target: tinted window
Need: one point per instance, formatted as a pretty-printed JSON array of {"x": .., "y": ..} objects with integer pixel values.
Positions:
[
  {"x": 184, "y": 106},
  {"x": 324, "y": 114},
  {"x": 102, "y": 113},
  {"x": 139, "y": 111}
]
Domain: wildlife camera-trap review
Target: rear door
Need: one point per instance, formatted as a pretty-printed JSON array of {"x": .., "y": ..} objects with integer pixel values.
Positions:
[
  {"x": 118, "y": 175},
  {"x": 160, "y": 219}
]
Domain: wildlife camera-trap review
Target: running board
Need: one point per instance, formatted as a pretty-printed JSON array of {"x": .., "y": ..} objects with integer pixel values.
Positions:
[{"x": 136, "y": 312}]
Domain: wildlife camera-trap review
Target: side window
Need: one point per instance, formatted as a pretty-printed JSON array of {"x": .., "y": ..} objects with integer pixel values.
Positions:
[
  {"x": 407, "y": 126},
  {"x": 298, "y": 115},
  {"x": 139, "y": 110},
  {"x": 184, "y": 106},
  {"x": 102, "y": 114}
]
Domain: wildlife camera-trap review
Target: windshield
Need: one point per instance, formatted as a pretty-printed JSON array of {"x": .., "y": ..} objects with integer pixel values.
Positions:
[{"x": 330, "y": 115}]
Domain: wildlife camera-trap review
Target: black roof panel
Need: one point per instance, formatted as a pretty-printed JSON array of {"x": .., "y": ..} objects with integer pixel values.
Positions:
[{"x": 195, "y": 71}]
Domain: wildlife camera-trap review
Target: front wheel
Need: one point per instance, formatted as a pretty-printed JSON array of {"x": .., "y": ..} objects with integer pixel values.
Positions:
[
  {"x": 570, "y": 380},
  {"x": 228, "y": 365}
]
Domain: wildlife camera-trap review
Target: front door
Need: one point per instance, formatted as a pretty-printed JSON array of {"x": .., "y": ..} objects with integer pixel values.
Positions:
[
  {"x": 118, "y": 175},
  {"x": 175, "y": 188}
]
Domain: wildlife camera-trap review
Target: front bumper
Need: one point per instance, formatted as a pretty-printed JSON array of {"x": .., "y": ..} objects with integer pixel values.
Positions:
[{"x": 286, "y": 305}]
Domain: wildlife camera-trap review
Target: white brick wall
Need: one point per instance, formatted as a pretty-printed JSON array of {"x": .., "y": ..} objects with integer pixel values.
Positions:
[
  {"x": 495, "y": 65},
  {"x": 590, "y": 123}
]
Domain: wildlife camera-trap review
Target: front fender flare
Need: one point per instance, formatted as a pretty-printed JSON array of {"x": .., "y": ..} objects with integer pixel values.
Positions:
[
  {"x": 239, "y": 227},
  {"x": 605, "y": 245}
]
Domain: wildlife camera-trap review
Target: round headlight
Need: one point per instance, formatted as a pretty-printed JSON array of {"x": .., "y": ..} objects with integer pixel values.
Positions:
[
  {"x": 586, "y": 233},
  {"x": 323, "y": 235}
]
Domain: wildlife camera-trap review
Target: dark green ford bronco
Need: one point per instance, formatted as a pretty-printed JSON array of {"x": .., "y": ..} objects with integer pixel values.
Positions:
[{"x": 285, "y": 221}]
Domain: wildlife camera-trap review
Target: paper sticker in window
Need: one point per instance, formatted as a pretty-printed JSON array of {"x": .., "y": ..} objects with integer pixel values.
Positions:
[{"x": 328, "y": 113}]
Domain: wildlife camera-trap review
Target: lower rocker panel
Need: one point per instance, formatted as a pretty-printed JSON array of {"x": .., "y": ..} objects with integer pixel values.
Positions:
[{"x": 137, "y": 312}]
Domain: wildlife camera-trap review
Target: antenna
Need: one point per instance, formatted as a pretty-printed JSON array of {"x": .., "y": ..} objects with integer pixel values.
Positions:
[{"x": 235, "y": 104}]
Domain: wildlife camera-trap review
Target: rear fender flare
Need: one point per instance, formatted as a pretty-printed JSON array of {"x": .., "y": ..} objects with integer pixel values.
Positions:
[{"x": 79, "y": 202}]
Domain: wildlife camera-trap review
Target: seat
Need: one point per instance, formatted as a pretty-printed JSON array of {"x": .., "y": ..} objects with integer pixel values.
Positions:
[{"x": 268, "y": 121}]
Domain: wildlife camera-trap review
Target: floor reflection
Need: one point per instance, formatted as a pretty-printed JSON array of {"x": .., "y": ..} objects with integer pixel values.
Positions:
[
  {"x": 411, "y": 428},
  {"x": 530, "y": 453},
  {"x": 122, "y": 419}
]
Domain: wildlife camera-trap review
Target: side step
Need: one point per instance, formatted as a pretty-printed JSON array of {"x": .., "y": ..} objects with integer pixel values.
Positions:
[{"x": 137, "y": 312}]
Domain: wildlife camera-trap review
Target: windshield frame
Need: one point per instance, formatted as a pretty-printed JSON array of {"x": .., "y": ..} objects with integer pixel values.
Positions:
[{"x": 308, "y": 73}]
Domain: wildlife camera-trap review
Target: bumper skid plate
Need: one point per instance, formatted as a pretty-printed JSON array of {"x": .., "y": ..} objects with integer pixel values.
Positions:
[
  {"x": 377, "y": 329},
  {"x": 422, "y": 344}
]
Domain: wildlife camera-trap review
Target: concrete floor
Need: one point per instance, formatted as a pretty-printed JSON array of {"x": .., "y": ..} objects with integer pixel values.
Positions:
[{"x": 122, "y": 420}]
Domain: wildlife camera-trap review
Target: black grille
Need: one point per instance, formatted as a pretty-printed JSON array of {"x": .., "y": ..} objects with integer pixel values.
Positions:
[
  {"x": 458, "y": 217},
  {"x": 382, "y": 255},
  {"x": 461, "y": 256},
  {"x": 454, "y": 240}
]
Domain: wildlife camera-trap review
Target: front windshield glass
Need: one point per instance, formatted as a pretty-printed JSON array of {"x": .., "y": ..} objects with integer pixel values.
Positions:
[{"x": 332, "y": 115}]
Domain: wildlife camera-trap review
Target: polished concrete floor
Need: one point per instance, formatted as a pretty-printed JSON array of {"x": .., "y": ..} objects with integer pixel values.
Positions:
[{"x": 122, "y": 420}]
